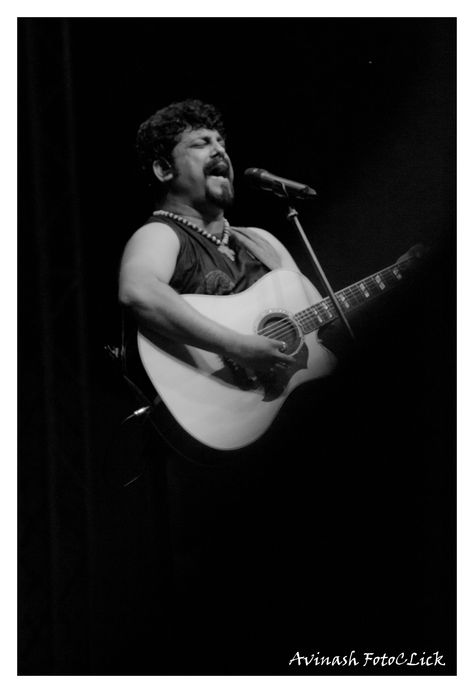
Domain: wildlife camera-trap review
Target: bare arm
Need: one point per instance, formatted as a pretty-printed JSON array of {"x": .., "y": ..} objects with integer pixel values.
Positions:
[{"x": 147, "y": 266}]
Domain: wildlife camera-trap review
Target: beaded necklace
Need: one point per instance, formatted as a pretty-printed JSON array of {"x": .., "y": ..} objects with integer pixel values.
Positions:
[{"x": 222, "y": 243}]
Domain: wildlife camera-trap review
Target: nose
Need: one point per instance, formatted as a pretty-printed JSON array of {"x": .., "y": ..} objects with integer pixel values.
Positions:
[{"x": 218, "y": 149}]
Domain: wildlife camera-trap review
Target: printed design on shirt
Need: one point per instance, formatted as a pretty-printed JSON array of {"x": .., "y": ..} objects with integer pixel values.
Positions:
[{"x": 218, "y": 283}]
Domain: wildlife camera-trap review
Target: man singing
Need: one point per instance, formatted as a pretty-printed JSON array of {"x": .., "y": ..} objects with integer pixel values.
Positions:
[
  {"x": 188, "y": 246},
  {"x": 213, "y": 513}
]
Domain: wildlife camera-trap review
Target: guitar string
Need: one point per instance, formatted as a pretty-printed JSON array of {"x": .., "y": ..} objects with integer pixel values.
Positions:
[
  {"x": 306, "y": 316},
  {"x": 280, "y": 329},
  {"x": 351, "y": 292}
]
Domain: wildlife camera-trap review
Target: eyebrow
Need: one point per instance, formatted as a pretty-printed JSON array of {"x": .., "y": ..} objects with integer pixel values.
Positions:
[{"x": 206, "y": 137}]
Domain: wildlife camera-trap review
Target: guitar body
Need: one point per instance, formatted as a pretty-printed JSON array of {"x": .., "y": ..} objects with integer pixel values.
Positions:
[{"x": 217, "y": 403}]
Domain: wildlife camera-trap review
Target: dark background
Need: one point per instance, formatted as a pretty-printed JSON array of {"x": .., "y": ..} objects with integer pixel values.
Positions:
[{"x": 342, "y": 536}]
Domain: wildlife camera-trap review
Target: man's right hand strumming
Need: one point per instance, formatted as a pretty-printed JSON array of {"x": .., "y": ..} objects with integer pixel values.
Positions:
[{"x": 259, "y": 353}]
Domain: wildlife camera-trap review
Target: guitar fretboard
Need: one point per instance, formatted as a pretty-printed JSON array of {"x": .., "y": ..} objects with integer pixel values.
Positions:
[{"x": 351, "y": 297}]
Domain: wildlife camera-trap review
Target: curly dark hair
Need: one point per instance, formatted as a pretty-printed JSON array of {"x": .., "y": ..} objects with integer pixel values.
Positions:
[{"x": 158, "y": 135}]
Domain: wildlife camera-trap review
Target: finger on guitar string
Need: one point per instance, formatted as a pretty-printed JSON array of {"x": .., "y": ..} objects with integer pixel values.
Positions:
[{"x": 258, "y": 352}]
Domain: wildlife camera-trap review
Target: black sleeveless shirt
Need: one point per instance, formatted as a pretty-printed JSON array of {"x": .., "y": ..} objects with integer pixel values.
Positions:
[{"x": 202, "y": 269}]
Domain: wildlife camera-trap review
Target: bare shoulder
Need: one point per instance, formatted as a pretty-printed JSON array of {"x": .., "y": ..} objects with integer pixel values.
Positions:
[
  {"x": 287, "y": 260},
  {"x": 152, "y": 238},
  {"x": 151, "y": 252}
]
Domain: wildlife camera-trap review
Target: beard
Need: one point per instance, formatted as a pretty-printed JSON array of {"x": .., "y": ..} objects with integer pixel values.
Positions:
[{"x": 222, "y": 196}]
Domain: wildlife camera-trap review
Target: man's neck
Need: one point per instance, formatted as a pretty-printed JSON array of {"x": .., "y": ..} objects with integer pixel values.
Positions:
[{"x": 211, "y": 219}]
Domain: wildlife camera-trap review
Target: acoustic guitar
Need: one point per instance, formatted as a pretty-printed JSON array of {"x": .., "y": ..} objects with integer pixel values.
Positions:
[{"x": 222, "y": 405}]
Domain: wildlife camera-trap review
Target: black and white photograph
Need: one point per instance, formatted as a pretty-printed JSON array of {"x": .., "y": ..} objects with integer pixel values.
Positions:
[{"x": 237, "y": 346}]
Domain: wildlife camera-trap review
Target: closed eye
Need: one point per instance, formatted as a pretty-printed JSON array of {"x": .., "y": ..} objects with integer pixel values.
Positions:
[{"x": 204, "y": 141}]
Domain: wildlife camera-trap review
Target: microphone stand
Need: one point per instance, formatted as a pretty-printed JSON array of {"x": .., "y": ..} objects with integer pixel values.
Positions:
[{"x": 292, "y": 217}]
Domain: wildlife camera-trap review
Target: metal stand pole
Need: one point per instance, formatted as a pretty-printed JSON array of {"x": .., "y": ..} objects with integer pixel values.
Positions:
[{"x": 292, "y": 216}]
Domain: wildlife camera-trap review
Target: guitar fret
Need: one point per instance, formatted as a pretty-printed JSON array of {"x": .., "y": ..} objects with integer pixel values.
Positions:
[
  {"x": 309, "y": 319},
  {"x": 326, "y": 304},
  {"x": 307, "y": 323},
  {"x": 343, "y": 298},
  {"x": 317, "y": 313},
  {"x": 353, "y": 296},
  {"x": 397, "y": 273},
  {"x": 372, "y": 286}
]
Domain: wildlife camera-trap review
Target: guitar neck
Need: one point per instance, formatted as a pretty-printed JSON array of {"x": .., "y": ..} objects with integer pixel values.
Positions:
[{"x": 352, "y": 297}]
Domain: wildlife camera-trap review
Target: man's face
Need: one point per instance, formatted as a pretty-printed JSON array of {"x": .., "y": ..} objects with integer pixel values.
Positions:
[{"x": 203, "y": 171}]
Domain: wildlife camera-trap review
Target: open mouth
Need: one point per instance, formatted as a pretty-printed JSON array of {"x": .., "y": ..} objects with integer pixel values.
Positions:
[
  {"x": 218, "y": 170},
  {"x": 222, "y": 179}
]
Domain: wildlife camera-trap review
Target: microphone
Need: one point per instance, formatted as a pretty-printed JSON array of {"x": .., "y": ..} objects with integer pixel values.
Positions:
[{"x": 280, "y": 186}]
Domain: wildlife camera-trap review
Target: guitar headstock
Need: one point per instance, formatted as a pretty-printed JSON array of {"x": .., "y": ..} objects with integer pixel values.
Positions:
[{"x": 416, "y": 252}]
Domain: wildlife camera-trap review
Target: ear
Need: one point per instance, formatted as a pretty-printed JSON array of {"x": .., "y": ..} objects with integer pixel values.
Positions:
[{"x": 163, "y": 170}]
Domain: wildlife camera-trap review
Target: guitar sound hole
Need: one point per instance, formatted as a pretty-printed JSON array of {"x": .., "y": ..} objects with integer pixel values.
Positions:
[{"x": 281, "y": 326}]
